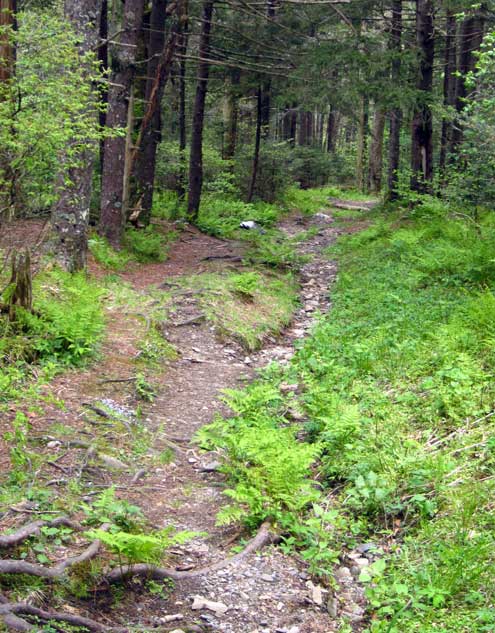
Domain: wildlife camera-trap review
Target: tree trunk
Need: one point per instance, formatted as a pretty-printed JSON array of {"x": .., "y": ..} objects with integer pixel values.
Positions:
[
  {"x": 145, "y": 165},
  {"x": 470, "y": 38},
  {"x": 8, "y": 10},
  {"x": 331, "y": 129},
  {"x": 362, "y": 144},
  {"x": 449, "y": 83},
  {"x": 123, "y": 58},
  {"x": 231, "y": 114},
  {"x": 293, "y": 125},
  {"x": 376, "y": 151},
  {"x": 103, "y": 59},
  {"x": 422, "y": 125},
  {"x": 196, "y": 156},
  {"x": 182, "y": 46},
  {"x": 396, "y": 112},
  {"x": 21, "y": 294},
  {"x": 70, "y": 215},
  {"x": 257, "y": 143}
]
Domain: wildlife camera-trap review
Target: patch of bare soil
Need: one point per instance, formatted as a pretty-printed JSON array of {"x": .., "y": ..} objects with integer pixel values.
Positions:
[{"x": 267, "y": 592}]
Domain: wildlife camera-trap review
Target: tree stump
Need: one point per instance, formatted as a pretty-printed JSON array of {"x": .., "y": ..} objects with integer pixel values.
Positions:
[{"x": 21, "y": 285}]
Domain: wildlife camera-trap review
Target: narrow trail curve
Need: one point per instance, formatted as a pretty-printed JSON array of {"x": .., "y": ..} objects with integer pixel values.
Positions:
[{"x": 267, "y": 592}]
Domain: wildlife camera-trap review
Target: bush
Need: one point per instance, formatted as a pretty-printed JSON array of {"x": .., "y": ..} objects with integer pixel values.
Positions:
[
  {"x": 217, "y": 172},
  {"x": 146, "y": 245},
  {"x": 272, "y": 178}
]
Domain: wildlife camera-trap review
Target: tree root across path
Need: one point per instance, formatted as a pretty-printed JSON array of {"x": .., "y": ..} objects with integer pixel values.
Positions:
[
  {"x": 14, "y": 614},
  {"x": 263, "y": 538}
]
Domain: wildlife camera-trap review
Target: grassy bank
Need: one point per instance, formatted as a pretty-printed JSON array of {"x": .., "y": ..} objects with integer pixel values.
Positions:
[{"x": 393, "y": 395}]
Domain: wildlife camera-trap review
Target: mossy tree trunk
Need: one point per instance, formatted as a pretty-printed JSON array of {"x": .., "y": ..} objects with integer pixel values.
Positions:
[
  {"x": 20, "y": 292},
  {"x": 70, "y": 215}
]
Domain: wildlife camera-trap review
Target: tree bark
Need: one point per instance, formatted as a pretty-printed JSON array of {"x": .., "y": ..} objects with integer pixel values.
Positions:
[
  {"x": 257, "y": 143},
  {"x": 331, "y": 129},
  {"x": 196, "y": 155},
  {"x": 8, "y": 24},
  {"x": 123, "y": 58},
  {"x": 470, "y": 38},
  {"x": 146, "y": 157},
  {"x": 362, "y": 144},
  {"x": 449, "y": 83},
  {"x": 70, "y": 215},
  {"x": 22, "y": 285},
  {"x": 182, "y": 46},
  {"x": 8, "y": 9},
  {"x": 396, "y": 112},
  {"x": 103, "y": 59},
  {"x": 231, "y": 114},
  {"x": 422, "y": 125},
  {"x": 376, "y": 151}
]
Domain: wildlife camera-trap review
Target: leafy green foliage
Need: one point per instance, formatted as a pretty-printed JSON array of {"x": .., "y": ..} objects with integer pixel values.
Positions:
[
  {"x": 140, "y": 548},
  {"x": 65, "y": 327},
  {"x": 246, "y": 306},
  {"x": 266, "y": 464},
  {"x": 221, "y": 215},
  {"x": 48, "y": 109},
  {"x": 398, "y": 398}
]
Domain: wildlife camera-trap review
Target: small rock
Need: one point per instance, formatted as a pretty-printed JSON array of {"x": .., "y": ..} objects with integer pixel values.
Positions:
[
  {"x": 113, "y": 462},
  {"x": 362, "y": 562},
  {"x": 210, "y": 467},
  {"x": 191, "y": 460},
  {"x": 285, "y": 388},
  {"x": 316, "y": 593},
  {"x": 365, "y": 547},
  {"x": 343, "y": 573},
  {"x": 171, "y": 618},
  {"x": 332, "y": 607},
  {"x": 202, "y": 603},
  {"x": 268, "y": 578},
  {"x": 54, "y": 444},
  {"x": 294, "y": 629}
]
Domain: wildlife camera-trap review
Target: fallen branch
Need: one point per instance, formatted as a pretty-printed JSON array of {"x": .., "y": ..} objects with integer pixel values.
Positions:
[
  {"x": 351, "y": 206},
  {"x": 52, "y": 573},
  {"x": 33, "y": 529},
  {"x": 263, "y": 538},
  {"x": 196, "y": 320},
  {"x": 10, "y": 612}
]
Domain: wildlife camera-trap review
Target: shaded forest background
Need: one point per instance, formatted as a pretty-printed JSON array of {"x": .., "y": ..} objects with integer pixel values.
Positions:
[{"x": 111, "y": 109}]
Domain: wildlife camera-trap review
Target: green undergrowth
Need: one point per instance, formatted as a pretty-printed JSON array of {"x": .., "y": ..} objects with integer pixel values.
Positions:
[
  {"x": 64, "y": 328},
  {"x": 245, "y": 306},
  {"x": 139, "y": 245},
  {"x": 388, "y": 433}
]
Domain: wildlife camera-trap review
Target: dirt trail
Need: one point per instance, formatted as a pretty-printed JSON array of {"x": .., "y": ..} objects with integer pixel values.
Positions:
[{"x": 268, "y": 592}]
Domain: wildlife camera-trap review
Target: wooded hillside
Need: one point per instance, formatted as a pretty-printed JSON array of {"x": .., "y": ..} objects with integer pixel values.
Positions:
[{"x": 247, "y": 315}]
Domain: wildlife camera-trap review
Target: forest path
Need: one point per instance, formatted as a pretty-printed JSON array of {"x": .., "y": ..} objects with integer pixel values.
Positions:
[{"x": 268, "y": 592}]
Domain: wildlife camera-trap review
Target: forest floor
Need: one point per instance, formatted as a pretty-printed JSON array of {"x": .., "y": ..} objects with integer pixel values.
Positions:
[{"x": 94, "y": 434}]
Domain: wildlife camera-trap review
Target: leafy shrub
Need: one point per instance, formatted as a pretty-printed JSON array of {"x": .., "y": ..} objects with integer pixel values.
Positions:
[
  {"x": 68, "y": 321},
  {"x": 146, "y": 245},
  {"x": 105, "y": 255},
  {"x": 272, "y": 177},
  {"x": 246, "y": 284},
  {"x": 221, "y": 215},
  {"x": 267, "y": 465},
  {"x": 217, "y": 172},
  {"x": 310, "y": 166}
]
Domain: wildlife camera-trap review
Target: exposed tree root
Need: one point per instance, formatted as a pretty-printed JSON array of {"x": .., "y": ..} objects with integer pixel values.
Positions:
[
  {"x": 52, "y": 573},
  {"x": 12, "y": 613},
  {"x": 263, "y": 538},
  {"x": 33, "y": 529}
]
